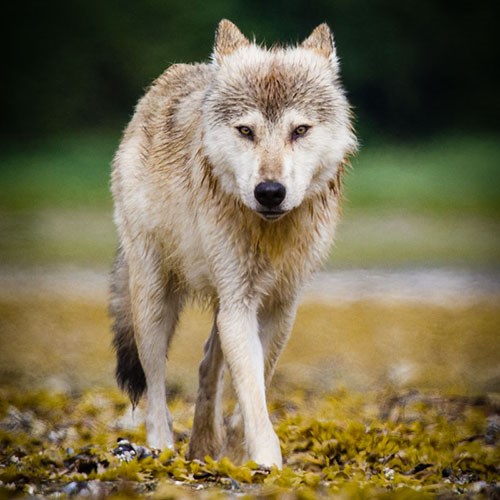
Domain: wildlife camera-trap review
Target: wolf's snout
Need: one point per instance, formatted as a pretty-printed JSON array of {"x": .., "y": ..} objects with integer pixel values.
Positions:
[{"x": 270, "y": 194}]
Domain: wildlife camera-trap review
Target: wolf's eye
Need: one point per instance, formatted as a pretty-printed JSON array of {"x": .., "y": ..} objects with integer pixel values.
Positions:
[
  {"x": 245, "y": 131},
  {"x": 300, "y": 131}
]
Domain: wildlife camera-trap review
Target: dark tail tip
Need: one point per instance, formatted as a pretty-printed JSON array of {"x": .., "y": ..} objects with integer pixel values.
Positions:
[{"x": 129, "y": 372}]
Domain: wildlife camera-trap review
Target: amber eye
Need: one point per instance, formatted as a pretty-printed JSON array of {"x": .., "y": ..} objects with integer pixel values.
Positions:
[
  {"x": 245, "y": 131},
  {"x": 300, "y": 131}
]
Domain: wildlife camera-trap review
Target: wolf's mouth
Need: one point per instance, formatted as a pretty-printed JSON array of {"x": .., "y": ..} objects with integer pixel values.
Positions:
[{"x": 271, "y": 214}]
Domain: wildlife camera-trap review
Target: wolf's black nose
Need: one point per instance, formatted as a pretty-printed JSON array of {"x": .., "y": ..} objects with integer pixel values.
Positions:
[{"x": 270, "y": 194}]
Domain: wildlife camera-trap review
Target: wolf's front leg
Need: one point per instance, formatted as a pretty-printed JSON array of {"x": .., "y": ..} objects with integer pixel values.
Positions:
[
  {"x": 275, "y": 325},
  {"x": 242, "y": 348},
  {"x": 155, "y": 311}
]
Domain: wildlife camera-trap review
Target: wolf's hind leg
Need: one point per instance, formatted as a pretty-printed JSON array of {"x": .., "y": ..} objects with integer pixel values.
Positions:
[
  {"x": 207, "y": 437},
  {"x": 155, "y": 311},
  {"x": 275, "y": 327}
]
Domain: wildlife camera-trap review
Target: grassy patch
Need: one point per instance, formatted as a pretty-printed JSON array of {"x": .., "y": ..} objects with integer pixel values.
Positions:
[
  {"x": 377, "y": 237},
  {"x": 67, "y": 171},
  {"x": 405, "y": 204},
  {"x": 458, "y": 174},
  {"x": 451, "y": 174},
  {"x": 60, "y": 235}
]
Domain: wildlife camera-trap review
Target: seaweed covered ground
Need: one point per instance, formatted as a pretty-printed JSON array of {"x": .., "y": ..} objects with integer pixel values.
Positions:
[
  {"x": 389, "y": 388},
  {"x": 375, "y": 445}
]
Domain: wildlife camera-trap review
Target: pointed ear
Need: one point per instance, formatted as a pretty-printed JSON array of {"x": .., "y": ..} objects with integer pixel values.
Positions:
[
  {"x": 228, "y": 38},
  {"x": 321, "y": 42}
]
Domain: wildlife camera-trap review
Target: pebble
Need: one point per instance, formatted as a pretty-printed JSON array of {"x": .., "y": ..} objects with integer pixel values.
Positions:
[
  {"x": 74, "y": 487},
  {"x": 127, "y": 451}
]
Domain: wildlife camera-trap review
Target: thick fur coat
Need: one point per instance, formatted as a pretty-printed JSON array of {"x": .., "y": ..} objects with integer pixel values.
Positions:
[{"x": 226, "y": 188}]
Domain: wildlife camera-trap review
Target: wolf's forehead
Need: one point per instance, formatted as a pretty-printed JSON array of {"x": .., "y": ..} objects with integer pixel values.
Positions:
[{"x": 272, "y": 89}]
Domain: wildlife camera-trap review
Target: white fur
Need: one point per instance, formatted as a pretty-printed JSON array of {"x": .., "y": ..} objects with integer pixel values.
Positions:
[{"x": 186, "y": 214}]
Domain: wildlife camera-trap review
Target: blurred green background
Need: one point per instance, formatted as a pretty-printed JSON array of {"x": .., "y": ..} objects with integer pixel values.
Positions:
[
  {"x": 420, "y": 75},
  {"x": 423, "y": 192}
]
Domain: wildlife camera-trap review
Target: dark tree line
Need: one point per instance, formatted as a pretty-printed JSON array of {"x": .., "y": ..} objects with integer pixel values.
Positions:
[{"x": 411, "y": 67}]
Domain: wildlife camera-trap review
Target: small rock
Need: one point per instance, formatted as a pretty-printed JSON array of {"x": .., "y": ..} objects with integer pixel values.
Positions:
[
  {"x": 29, "y": 489},
  {"x": 388, "y": 473},
  {"x": 492, "y": 429},
  {"x": 127, "y": 451},
  {"x": 75, "y": 487},
  {"x": 478, "y": 486},
  {"x": 143, "y": 452},
  {"x": 56, "y": 436},
  {"x": 235, "y": 486}
]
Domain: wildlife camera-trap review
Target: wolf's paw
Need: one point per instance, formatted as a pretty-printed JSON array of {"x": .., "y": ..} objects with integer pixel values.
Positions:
[
  {"x": 159, "y": 433},
  {"x": 267, "y": 453},
  {"x": 199, "y": 449}
]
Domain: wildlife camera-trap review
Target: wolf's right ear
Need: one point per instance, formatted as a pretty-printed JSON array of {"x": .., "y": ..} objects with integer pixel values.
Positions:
[
  {"x": 228, "y": 38},
  {"x": 321, "y": 42}
]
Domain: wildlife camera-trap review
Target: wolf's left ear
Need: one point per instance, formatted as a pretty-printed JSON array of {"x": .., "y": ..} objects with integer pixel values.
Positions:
[
  {"x": 321, "y": 42},
  {"x": 228, "y": 38}
]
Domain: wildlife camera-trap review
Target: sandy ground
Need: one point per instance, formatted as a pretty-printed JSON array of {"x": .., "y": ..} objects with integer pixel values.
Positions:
[
  {"x": 438, "y": 286},
  {"x": 360, "y": 329}
]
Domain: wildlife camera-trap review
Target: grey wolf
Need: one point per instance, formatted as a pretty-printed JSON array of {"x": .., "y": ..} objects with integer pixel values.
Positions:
[{"x": 226, "y": 188}]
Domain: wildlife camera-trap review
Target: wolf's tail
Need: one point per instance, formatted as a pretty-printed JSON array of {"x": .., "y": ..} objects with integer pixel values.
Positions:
[{"x": 129, "y": 372}]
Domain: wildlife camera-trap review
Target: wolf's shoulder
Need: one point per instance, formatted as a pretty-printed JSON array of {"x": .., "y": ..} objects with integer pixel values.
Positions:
[
  {"x": 182, "y": 79},
  {"x": 177, "y": 92}
]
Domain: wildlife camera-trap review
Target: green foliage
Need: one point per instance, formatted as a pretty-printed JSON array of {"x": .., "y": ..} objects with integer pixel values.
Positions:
[
  {"x": 448, "y": 174},
  {"x": 404, "y": 202},
  {"x": 68, "y": 171},
  {"x": 400, "y": 447}
]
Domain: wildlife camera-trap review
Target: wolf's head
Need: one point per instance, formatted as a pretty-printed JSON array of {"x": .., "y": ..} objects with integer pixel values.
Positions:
[{"x": 276, "y": 121}]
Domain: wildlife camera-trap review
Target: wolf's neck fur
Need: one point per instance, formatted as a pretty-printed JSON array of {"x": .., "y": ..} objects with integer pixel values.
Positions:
[{"x": 284, "y": 242}]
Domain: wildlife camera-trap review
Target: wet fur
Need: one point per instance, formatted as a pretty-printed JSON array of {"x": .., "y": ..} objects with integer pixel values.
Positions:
[{"x": 189, "y": 225}]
